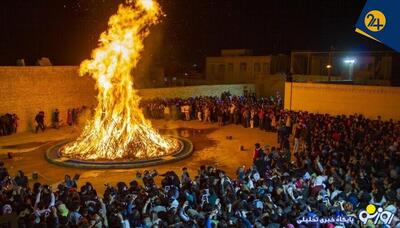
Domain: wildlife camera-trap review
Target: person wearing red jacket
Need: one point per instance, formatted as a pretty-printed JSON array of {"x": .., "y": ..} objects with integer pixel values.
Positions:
[{"x": 258, "y": 152}]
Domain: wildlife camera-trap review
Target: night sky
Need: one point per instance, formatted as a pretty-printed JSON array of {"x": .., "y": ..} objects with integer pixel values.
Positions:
[{"x": 67, "y": 30}]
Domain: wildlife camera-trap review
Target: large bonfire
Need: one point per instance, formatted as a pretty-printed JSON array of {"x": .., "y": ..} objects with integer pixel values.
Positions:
[{"x": 118, "y": 129}]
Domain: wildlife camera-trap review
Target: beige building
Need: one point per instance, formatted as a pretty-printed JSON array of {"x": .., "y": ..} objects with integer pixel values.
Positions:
[{"x": 240, "y": 65}]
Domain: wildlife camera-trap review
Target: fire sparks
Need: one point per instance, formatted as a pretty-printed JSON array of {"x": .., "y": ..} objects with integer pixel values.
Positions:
[{"x": 118, "y": 129}]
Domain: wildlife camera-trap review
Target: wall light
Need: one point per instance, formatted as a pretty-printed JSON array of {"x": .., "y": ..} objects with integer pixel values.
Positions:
[{"x": 349, "y": 61}]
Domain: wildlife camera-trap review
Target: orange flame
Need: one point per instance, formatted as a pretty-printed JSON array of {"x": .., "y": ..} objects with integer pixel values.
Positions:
[{"x": 118, "y": 129}]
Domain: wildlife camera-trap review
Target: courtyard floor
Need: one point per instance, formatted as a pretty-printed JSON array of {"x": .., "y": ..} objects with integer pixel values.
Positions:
[{"x": 211, "y": 147}]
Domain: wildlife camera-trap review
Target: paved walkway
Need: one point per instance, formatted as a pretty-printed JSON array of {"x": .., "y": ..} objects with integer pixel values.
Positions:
[
  {"x": 211, "y": 148},
  {"x": 28, "y": 141}
]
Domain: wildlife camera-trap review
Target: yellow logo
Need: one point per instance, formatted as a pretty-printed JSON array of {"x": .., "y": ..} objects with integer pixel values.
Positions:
[
  {"x": 371, "y": 209},
  {"x": 375, "y": 20}
]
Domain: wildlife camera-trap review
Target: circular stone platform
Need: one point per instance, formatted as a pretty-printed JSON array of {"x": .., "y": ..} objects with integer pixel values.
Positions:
[{"x": 52, "y": 156}]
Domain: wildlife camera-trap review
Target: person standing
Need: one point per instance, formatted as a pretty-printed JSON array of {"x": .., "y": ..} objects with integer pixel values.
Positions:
[
  {"x": 281, "y": 133},
  {"x": 9, "y": 124},
  {"x": 288, "y": 123},
  {"x": 267, "y": 122},
  {"x": 261, "y": 115},
  {"x": 297, "y": 133},
  {"x": 69, "y": 117},
  {"x": 220, "y": 114},
  {"x": 236, "y": 116},
  {"x": 40, "y": 121},
  {"x": 175, "y": 111},
  {"x": 74, "y": 114},
  {"x": 56, "y": 119},
  {"x": 214, "y": 113},
  {"x": 199, "y": 113},
  {"x": 273, "y": 122},
  {"x": 232, "y": 109},
  {"x": 252, "y": 118},
  {"x": 185, "y": 179},
  {"x": 258, "y": 153},
  {"x": 246, "y": 117},
  {"x": 207, "y": 114},
  {"x": 15, "y": 122},
  {"x": 167, "y": 112},
  {"x": 186, "y": 110},
  {"x": 3, "y": 130}
]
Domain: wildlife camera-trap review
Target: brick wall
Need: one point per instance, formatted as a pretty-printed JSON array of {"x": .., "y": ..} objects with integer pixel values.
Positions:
[{"x": 28, "y": 90}]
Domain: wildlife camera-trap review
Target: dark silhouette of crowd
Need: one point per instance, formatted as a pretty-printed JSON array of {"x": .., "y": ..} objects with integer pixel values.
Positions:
[
  {"x": 8, "y": 124},
  {"x": 335, "y": 166}
]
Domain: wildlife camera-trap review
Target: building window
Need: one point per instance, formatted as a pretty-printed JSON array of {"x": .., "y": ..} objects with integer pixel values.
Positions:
[
  {"x": 230, "y": 67},
  {"x": 257, "y": 67},
  {"x": 243, "y": 67},
  {"x": 266, "y": 69}
]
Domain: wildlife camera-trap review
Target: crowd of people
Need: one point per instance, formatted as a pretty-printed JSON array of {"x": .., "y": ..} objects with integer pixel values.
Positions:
[
  {"x": 334, "y": 168},
  {"x": 8, "y": 124},
  {"x": 9, "y": 121},
  {"x": 73, "y": 115},
  {"x": 250, "y": 112},
  {"x": 245, "y": 110}
]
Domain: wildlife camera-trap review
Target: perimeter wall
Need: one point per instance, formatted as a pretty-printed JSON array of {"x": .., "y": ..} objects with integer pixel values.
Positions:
[
  {"x": 28, "y": 90},
  {"x": 371, "y": 101}
]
